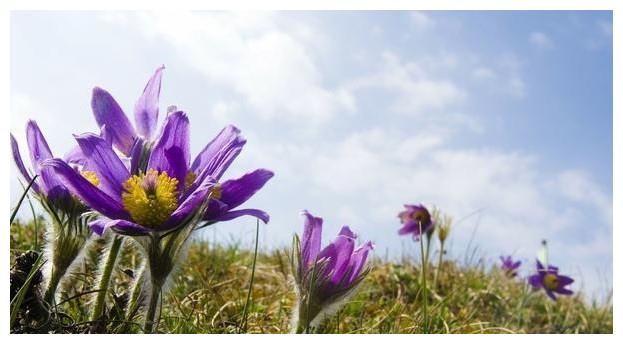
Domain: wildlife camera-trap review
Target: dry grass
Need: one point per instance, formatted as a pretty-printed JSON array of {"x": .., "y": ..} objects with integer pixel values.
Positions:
[{"x": 208, "y": 292}]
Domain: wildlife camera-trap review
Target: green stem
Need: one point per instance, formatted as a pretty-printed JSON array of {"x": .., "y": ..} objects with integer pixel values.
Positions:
[
  {"x": 55, "y": 278},
  {"x": 423, "y": 282},
  {"x": 109, "y": 264},
  {"x": 156, "y": 290},
  {"x": 246, "y": 304},
  {"x": 438, "y": 264}
]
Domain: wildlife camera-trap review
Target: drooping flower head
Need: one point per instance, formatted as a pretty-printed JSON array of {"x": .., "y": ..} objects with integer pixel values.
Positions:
[
  {"x": 509, "y": 266},
  {"x": 159, "y": 191},
  {"x": 326, "y": 278},
  {"x": 415, "y": 218},
  {"x": 49, "y": 189},
  {"x": 550, "y": 280}
]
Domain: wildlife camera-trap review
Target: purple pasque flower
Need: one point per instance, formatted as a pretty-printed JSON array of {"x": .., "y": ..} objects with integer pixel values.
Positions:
[
  {"x": 166, "y": 190},
  {"x": 326, "y": 277},
  {"x": 67, "y": 234},
  {"x": 550, "y": 280},
  {"x": 49, "y": 188},
  {"x": 415, "y": 220},
  {"x": 509, "y": 266}
]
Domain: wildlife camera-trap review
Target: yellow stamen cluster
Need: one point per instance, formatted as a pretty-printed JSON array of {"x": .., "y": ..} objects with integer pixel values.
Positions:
[
  {"x": 216, "y": 192},
  {"x": 550, "y": 281},
  {"x": 91, "y": 177},
  {"x": 189, "y": 180},
  {"x": 150, "y": 198}
]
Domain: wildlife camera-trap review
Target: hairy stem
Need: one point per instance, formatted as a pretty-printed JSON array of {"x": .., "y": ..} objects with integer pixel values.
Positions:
[
  {"x": 109, "y": 264},
  {"x": 55, "y": 278},
  {"x": 156, "y": 290}
]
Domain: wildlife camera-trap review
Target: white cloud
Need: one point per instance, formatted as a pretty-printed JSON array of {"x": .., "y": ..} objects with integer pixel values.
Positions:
[
  {"x": 373, "y": 172},
  {"x": 271, "y": 68},
  {"x": 421, "y": 21},
  {"x": 484, "y": 73},
  {"x": 516, "y": 86},
  {"x": 413, "y": 89},
  {"x": 541, "y": 40}
]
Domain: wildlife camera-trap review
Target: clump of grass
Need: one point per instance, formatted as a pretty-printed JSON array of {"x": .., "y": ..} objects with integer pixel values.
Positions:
[{"x": 209, "y": 292}]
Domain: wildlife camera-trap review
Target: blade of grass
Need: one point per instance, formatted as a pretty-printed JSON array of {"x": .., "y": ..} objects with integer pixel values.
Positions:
[
  {"x": 21, "y": 199},
  {"x": 246, "y": 304}
]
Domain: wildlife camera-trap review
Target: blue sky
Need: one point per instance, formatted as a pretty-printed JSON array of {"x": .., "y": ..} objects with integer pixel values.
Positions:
[{"x": 506, "y": 114}]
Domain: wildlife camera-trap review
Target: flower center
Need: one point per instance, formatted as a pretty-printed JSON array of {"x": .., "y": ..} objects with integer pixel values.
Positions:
[
  {"x": 420, "y": 216},
  {"x": 189, "y": 179},
  {"x": 150, "y": 198},
  {"x": 550, "y": 281}
]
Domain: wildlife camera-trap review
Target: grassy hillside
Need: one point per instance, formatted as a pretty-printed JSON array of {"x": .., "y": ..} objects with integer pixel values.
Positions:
[{"x": 208, "y": 292}]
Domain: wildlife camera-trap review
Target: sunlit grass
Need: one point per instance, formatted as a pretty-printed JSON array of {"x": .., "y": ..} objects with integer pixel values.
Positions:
[{"x": 209, "y": 291}]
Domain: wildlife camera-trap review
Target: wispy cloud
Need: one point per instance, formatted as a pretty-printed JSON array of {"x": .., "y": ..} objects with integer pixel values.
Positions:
[
  {"x": 421, "y": 21},
  {"x": 541, "y": 40},
  {"x": 412, "y": 88},
  {"x": 270, "y": 68}
]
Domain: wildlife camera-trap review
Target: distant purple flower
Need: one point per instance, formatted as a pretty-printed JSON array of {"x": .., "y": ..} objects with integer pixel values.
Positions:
[
  {"x": 509, "y": 266},
  {"x": 414, "y": 218},
  {"x": 328, "y": 276},
  {"x": 550, "y": 280},
  {"x": 165, "y": 190}
]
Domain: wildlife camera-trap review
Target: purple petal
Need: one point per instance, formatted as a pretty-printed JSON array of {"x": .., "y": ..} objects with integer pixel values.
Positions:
[
  {"x": 564, "y": 291},
  {"x": 260, "y": 214},
  {"x": 108, "y": 112},
  {"x": 75, "y": 155},
  {"x": 146, "y": 108},
  {"x": 564, "y": 281},
  {"x": 224, "y": 139},
  {"x": 102, "y": 160},
  {"x": 540, "y": 268},
  {"x": 136, "y": 155},
  {"x": 190, "y": 204},
  {"x": 171, "y": 152},
  {"x": 99, "y": 226},
  {"x": 550, "y": 294},
  {"x": 344, "y": 245},
  {"x": 410, "y": 227},
  {"x": 312, "y": 234},
  {"x": 345, "y": 231},
  {"x": 39, "y": 152},
  {"x": 237, "y": 191},
  {"x": 87, "y": 192},
  {"x": 17, "y": 158},
  {"x": 536, "y": 281},
  {"x": 329, "y": 253},
  {"x": 358, "y": 260}
]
